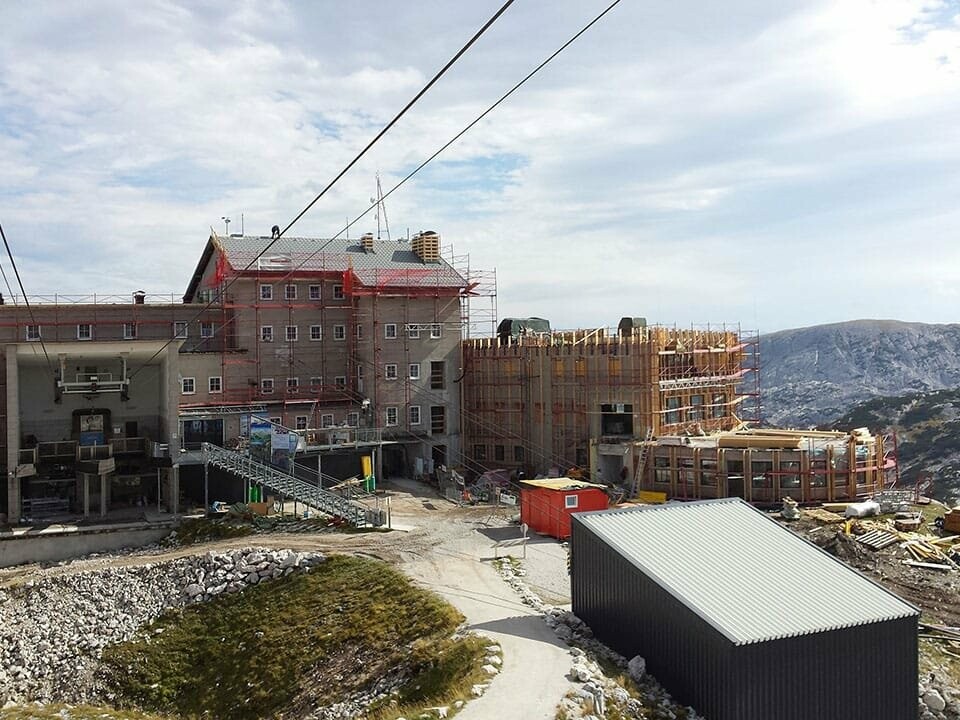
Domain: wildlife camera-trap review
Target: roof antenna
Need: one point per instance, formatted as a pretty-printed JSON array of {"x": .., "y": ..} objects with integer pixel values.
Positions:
[{"x": 381, "y": 208}]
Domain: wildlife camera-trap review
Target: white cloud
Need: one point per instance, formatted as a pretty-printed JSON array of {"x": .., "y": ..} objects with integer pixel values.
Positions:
[{"x": 753, "y": 162}]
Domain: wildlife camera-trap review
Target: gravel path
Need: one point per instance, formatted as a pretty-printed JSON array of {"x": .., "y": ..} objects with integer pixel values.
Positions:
[{"x": 534, "y": 678}]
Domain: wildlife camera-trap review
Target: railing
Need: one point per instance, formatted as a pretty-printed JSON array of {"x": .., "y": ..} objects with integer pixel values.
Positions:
[
  {"x": 289, "y": 486},
  {"x": 59, "y": 449},
  {"x": 94, "y": 452},
  {"x": 95, "y": 299},
  {"x": 342, "y": 436},
  {"x": 128, "y": 446}
]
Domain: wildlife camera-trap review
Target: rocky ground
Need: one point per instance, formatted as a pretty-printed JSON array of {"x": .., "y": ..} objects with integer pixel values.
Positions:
[{"x": 55, "y": 620}]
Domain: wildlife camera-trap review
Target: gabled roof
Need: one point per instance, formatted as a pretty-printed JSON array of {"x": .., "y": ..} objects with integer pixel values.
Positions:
[
  {"x": 390, "y": 264},
  {"x": 743, "y": 573}
]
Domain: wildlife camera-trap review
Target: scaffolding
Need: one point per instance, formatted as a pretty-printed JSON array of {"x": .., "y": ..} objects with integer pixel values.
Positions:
[{"x": 546, "y": 396}]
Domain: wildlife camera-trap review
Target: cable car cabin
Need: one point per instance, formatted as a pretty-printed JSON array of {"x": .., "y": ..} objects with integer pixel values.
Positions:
[{"x": 547, "y": 504}]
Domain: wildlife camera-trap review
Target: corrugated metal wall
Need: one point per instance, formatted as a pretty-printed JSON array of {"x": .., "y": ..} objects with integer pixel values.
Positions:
[{"x": 861, "y": 672}]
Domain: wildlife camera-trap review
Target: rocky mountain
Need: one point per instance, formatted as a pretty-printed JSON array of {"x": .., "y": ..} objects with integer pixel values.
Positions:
[
  {"x": 810, "y": 376},
  {"x": 927, "y": 426}
]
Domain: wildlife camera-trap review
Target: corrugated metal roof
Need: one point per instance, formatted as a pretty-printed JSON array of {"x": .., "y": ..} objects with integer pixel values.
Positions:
[
  {"x": 391, "y": 263},
  {"x": 561, "y": 484},
  {"x": 741, "y": 572}
]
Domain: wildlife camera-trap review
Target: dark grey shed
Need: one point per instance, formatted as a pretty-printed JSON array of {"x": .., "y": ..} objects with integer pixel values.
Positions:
[{"x": 740, "y": 618}]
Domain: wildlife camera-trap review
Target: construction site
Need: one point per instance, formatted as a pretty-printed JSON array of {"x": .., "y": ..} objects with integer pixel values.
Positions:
[{"x": 350, "y": 348}]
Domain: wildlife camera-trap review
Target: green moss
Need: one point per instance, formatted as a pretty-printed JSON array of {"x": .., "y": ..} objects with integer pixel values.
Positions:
[{"x": 249, "y": 655}]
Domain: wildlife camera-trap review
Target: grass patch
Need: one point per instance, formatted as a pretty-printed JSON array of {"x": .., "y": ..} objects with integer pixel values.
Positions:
[
  {"x": 200, "y": 530},
  {"x": 302, "y": 638},
  {"x": 71, "y": 712}
]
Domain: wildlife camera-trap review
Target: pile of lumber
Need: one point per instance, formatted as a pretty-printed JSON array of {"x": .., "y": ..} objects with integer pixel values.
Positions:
[{"x": 930, "y": 552}]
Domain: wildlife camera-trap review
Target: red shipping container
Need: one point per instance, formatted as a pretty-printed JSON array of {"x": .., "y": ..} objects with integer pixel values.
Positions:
[{"x": 547, "y": 504}]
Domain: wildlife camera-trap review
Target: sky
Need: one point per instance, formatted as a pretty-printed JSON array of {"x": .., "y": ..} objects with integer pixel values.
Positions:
[{"x": 769, "y": 164}]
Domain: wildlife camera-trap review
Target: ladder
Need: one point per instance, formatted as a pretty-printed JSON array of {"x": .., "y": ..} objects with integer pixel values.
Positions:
[
  {"x": 289, "y": 486},
  {"x": 641, "y": 462}
]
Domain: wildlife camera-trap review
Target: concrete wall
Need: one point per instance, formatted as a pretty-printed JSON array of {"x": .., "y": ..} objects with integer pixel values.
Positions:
[
  {"x": 53, "y": 547},
  {"x": 49, "y": 421}
]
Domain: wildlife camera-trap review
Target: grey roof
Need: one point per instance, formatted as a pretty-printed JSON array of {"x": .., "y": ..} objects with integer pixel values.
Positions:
[
  {"x": 391, "y": 263},
  {"x": 741, "y": 572}
]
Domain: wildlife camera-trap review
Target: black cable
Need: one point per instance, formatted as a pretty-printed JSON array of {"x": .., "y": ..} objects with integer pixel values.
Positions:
[
  {"x": 356, "y": 159},
  {"x": 456, "y": 137},
  {"x": 26, "y": 300}
]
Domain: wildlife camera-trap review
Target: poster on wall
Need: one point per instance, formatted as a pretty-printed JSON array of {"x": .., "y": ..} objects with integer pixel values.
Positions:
[
  {"x": 260, "y": 439},
  {"x": 280, "y": 446},
  {"x": 244, "y": 425}
]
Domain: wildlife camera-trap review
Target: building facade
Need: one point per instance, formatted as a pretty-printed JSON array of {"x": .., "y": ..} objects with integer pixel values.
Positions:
[
  {"x": 344, "y": 341},
  {"x": 537, "y": 400}
]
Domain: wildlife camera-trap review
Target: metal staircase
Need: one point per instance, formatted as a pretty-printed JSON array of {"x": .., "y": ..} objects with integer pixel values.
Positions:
[
  {"x": 291, "y": 487},
  {"x": 641, "y": 462}
]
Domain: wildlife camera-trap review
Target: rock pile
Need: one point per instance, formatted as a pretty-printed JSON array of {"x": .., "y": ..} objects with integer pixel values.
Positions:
[
  {"x": 598, "y": 692},
  {"x": 938, "y": 699},
  {"x": 52, "y": 631}
]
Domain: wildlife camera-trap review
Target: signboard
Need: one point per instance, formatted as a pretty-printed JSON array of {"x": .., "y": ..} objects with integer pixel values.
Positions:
[{"x": 260, "y": 439}]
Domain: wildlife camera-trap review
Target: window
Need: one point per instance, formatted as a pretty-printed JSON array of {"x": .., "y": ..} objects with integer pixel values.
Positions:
[
  {"x": 129, "y": 331},
  {"x": 266, "y": 333},
  {"x": 338, "y": 292},
  {"x": 436, "y": 330},
  {"x": 390, "y": 331},
  {"x": 708, "y": 471},
  {"x": 390, "y": 371},
  {"x": 359, "y": 378},
  {"x": 266, "y": 386},
  {"x": 33, "y": 332},
  {"x": 340, "y": 381},
  {"x": 438, "y": 420},
  {"x": 414, "y": 412},
  {"x": 188, "y": 385},
  {"x": 289, "y": 292},
  {"x": 266, "y": 292},
  {"x": 215, "y": 384},
  {"x": 85, "y": 331},
  {"x": 414, "y": 371},
  {"x": 326, "y": 420},
  {"x": 300, "y": 422},
  {"x": 206, "y": 329},
  {"x": 316, "y": 381},
  {"x": 276, "y": 420},
  {"x": 518, "y": 453},
  {"x": 436, "y": 374},
  {"x": 762, "y": 470},
  {"x": 719, "y": 408},
  {"x": 571, "y": 501},
  {"x": 339, "y": 332},
  {"x": 359, "y": 332},
  {"x": 695, "y": 412},
  {"x": 293, "y": 384},
  {"x": 413, "y": 331},
  {"x": 314, "y": 292},
  {"x": 180, "y": 330},
  {"x": 673, "y": 414},
  {"x": 353, "y": 419},
  {"x": 391, "y": 416},
  {"x": 789, "y": 473},
  {"x": 479, "y": 452},
  {"x": 498, "y": 453},
  {"x": 316, "y": 332},
  {"x": 292, "y": 333}
]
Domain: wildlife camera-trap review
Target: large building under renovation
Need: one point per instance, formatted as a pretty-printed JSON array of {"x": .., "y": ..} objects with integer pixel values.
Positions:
[
  {"x": 539, "y": 398},
  {"x": 352, "y": 343},
  {"x": 649, "y": 408}
]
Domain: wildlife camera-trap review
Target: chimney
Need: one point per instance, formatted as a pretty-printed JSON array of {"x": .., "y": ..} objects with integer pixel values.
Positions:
[
  {"x": 426, "y": 245},
  {"x": 366, "y": 240},
  {"x": 138, "y": 297}
]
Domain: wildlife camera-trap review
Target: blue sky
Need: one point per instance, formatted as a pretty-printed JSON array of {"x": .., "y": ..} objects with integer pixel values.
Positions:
[{"x": 774, "y": 164}]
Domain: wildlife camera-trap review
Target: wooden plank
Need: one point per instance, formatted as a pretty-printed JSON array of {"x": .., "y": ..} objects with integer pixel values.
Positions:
[{"x": 928, "y": 566}]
